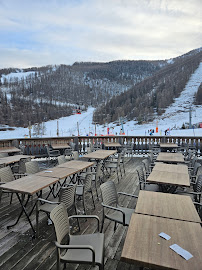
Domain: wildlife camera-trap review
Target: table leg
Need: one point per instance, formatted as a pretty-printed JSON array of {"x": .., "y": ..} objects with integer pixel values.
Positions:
[{"x": 23, "y": 211}]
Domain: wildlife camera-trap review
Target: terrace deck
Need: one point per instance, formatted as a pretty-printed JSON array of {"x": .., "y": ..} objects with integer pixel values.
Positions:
[{"x": 20, "y": 252}]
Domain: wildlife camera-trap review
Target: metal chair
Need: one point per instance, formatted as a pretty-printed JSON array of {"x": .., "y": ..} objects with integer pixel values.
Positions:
[
  {"x": 79, "y": 249},
  {"x": 197, "y": 190},
  {"x": 143, "y": 184},
  {"x": 114, "y": 165},
  {"x": 117, "y": 213},
  {"x": 52, "y": 154},
  {"x": 66, "y": 196},
  {"x": 82, "y": 190}
]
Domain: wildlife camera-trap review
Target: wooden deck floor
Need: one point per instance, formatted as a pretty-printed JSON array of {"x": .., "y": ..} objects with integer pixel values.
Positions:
[{"x": 19, "y": 251}]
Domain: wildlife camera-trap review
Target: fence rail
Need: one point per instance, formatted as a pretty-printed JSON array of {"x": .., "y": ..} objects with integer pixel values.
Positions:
[{"x": 141, "y": 144}]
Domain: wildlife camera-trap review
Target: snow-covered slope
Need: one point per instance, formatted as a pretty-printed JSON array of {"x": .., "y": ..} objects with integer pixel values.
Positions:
[{"x": 173, "y": 118}]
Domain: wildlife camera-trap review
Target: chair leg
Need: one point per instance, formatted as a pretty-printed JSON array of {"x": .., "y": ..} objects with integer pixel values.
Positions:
[
  {"x": 11, "y": 198},
  {"x": 93, "y": 198},
  {"x": 37, "y": 220},
  {"x": 103, "y": 218},
  {"x": 77, "y": 218},
  {"x": 115, "y": 226}
]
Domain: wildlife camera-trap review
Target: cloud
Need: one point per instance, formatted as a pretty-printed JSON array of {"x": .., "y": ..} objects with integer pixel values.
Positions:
[{"x": 45, "y": 32}]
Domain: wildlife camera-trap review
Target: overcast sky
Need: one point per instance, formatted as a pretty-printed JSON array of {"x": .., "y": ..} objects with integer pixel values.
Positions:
[{"x": 43, "y": 32}]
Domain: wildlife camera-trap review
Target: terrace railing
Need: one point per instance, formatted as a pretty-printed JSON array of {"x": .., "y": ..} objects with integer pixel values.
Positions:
[{"x": 141, "y": 144}]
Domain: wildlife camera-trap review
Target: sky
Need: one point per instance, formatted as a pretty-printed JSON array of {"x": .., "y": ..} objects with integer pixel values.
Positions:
[{"x": 48, "y": 32}]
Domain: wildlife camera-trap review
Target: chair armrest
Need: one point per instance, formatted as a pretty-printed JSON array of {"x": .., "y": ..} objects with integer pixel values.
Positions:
[
  {"x": 78, "y": 247},
  {"x": 127, "y": 194},
  {"x": 116, "y": 209},
  {"x": 46, "y": 201},
  {"x": 88, "y": 216}
]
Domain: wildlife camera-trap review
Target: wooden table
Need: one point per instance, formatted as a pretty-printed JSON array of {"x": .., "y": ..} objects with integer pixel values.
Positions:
[
  {"x": 112, "y": 145},
  {"x": 143, "y": 246},
  {"x": 13, "y": 159},
  {"x": 60, "y": 146},
  {"x": 28, "y": 185},
  {"x": 169, "y": 178},
  {"x": 57, "y": 172},
  {"x": 166, "y": 205},
  {"x": 10, "y": 149},
  {"x": 77, "y": 165},
  {"x": 179, "y": 168},
  {"x": 100, "y": 154},
  {"x": 170, "y": 157},
  {"x": 168, "y": 146}
]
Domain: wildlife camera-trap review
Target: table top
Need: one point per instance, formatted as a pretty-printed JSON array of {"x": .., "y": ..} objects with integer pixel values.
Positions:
[
  {"x": 170, "y": 157},
  {"x": 145, "y": 247},
  {"x": 100, "y": 154},
  {"x": 9, "y": 149},
  {"x": 30, "y": 184},
  {"x": 168, "y": 145},
  {"x": 77, "y": 165},
  {"x": 12, "y": 159},
  {"x": 166, "y": 205},
  {"x": 112, "y": 144},
  {"x": 169, "y": 178},
  {"x": 57, "y": 172},
  {"x": 179, "y": 168},
  {"x": 60, "y": 146}
]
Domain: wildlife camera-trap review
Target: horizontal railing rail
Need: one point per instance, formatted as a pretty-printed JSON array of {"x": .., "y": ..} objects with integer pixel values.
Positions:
[{"x": 140, "y": 144}]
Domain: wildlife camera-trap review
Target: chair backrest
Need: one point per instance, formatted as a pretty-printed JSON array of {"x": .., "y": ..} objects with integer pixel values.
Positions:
[
  {"x": 75, "y": 155},
  {"x": 22, "y": 168},
  {"x": 198, "y": 186},
  {"x": 60, "y": 220},
  {"x": 197, "y": 165},
  {"x": 61, "y": 159},
  {"x": 98, "y": 171},
  {"x": 109, "y": 193},
  {"x": 6, "y": 174},
  {"x": 146, "y": 164},
  {"x": 32, "y": 167},
  {"x": 140, "y": 172},
  {"x": 68, "y": 152},
  {"x": 67, "y": 196},
  {"x": 119, "y": 159},
  {"x": 87, "y": 182},
  {"x": 3, "y": 155}
]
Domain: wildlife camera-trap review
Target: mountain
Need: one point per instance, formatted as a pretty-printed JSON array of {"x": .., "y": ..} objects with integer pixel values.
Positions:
[
  {"x": 32, "y": 95},
  {"x": 154, "y": 94}
]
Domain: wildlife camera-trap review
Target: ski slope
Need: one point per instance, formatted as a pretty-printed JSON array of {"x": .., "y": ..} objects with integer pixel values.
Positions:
[{"x": 173, "y": 118}]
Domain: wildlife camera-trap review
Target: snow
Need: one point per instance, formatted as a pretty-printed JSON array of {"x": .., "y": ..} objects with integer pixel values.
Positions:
[
  {"x": 19, "y": 75},
  {"x": 173, "y": 118}
]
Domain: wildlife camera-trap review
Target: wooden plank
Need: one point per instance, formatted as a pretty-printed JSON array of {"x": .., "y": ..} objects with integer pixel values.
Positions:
[
  {"x": 145, "y": 247},
  {"x": 166, "y": 205}
]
